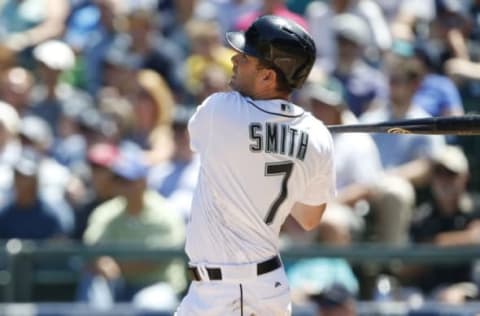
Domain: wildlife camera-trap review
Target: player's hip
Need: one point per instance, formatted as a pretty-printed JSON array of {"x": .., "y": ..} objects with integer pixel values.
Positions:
[{"x": 268, "y": 294}]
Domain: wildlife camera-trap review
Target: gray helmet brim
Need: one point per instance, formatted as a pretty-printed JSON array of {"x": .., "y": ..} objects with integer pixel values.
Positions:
[{"x": 238, "y": 42}]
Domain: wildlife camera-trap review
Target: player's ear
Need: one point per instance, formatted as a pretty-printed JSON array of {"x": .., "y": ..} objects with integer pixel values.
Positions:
[{"x": 269, "y": 75}]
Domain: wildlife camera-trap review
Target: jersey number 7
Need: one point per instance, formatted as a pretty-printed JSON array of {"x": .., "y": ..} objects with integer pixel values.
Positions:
[{"x": 274, "y": 169}]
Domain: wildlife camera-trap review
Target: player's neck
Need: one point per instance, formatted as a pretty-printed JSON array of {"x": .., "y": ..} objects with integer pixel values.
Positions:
[{"x": 269, "y": 95}]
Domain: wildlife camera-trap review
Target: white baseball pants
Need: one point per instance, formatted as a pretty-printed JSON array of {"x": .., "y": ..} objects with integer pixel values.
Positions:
[{"x": 264, "y": 295}]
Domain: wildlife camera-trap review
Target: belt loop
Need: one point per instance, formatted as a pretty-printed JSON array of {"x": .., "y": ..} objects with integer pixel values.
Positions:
[{"x": 202, "y": 271}]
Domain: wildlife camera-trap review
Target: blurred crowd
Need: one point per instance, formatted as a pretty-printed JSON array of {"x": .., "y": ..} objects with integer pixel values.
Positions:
[{"x": 95, "y": 97}]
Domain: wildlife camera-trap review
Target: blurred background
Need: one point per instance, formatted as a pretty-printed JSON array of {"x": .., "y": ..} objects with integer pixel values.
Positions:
[{"x": 96, "y": 174}]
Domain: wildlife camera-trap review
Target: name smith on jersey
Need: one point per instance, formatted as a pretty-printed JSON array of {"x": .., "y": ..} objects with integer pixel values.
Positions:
[{"x": 279, "y": 139}]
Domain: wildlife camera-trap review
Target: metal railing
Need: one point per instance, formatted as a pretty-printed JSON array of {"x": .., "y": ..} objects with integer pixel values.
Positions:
[{"x": 27, "y": 264}]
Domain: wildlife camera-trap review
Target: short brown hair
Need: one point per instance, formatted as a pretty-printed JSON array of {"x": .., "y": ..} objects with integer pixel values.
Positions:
[
  {"x": 282, "y": 83},
  {"x": 410, "y": 69}
]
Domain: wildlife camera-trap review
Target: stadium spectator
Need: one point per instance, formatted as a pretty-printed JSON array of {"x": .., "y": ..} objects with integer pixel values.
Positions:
[
  {"x": 137, "y": 216},
  {"x": 9, "y": 126},
  {"x": 407, "y": 156},
  {"x": 29, "y": 215},
  {"x": 54, "y": 179},
  {"x": 437, "y": 93},
  {"x": 365, "y": 87},
  {"x": 143, "y": 47},
  {"x": 153, "y": 106},
  {"x": 24, "y": 24},
  {"x": 320, "y": 16},
  {"x": 362, "y": 184},
  {"x": 214, "y": 79},
  {"x": 117, "y": 113},
  {"x": 16, "y": 87},
  {"x": 225, "y": 12},
  {"x": 206, "y": 51},
  {"x": 98, "y": 43},
  {"x": 275, "y": 7},
  {"x": 335, "y": 300},
  {"x": 70, "y": 145},
  {"x": 175, "y": 179},
  {"x": 100, "y": 158},
  {"x": 9, "y": 148},
  {"x": 450, "y": 218},
  {"x": 53, "y": 57}
]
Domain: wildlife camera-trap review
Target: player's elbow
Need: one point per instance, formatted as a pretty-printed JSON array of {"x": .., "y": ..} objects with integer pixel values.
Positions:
[
  {"x": 308, "y": 216},
  {"x": 310, "y": 225}
]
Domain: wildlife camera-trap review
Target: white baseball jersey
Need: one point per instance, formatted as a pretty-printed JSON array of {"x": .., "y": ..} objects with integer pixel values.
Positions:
[{"x": 258, "y": 157}]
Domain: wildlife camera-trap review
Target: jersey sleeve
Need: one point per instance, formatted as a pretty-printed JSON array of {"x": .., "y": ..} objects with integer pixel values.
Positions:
[
  {"x": 322, "y": 188},
  {"x": 200, "y": 125}
]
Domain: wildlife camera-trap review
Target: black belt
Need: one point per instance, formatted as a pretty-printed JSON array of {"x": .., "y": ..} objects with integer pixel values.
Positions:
[{"x": 215, "y": 274}]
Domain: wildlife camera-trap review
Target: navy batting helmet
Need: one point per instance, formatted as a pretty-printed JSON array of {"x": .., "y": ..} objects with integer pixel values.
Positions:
[{"x": 281, "y": 42}]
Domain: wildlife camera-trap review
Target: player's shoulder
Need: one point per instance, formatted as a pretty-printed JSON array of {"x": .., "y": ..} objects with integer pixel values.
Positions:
[
  {"x": 230, "y": 97},
  {"x": 315, "y": 125},
  {"x": 319, "y": 135}
]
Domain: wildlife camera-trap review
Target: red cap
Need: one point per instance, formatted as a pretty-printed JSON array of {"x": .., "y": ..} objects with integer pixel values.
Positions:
[{"x": 103, "y": 154}]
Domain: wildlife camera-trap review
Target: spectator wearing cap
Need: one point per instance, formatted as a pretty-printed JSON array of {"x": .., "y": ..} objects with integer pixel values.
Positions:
[
  {"x": 365, "y": 86},
  {"x": 29, "y": 215},
  {"x": 176, "y": 178},
  {"x": 451, "y": 217},
  {"x": 54, "y": 179},
  {"x": 54, "y": 57},
  {"x": 321, "y": 15},
  {"x": 99, "y": 185},
  {"x": 138, "y": 216}
]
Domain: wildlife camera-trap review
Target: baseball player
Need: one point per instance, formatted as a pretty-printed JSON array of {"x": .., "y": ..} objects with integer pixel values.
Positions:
[{"x": 262, "y": 158}]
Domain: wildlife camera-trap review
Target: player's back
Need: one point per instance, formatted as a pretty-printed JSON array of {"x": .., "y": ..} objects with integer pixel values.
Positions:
[{"x": 259, "y": 157}]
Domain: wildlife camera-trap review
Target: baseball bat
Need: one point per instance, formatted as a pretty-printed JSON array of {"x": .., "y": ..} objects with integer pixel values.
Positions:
[{"x": 452, "y": 125}]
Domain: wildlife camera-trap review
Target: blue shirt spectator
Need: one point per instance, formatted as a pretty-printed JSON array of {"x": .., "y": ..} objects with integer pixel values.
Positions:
[
  {"x": 28, "y": 215},
  {"x": 363, "y": 86},
  {"x": 438, "y": 96},
  {"x": 33, "y": 221},
  {"x": 397, "y": 149}
]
